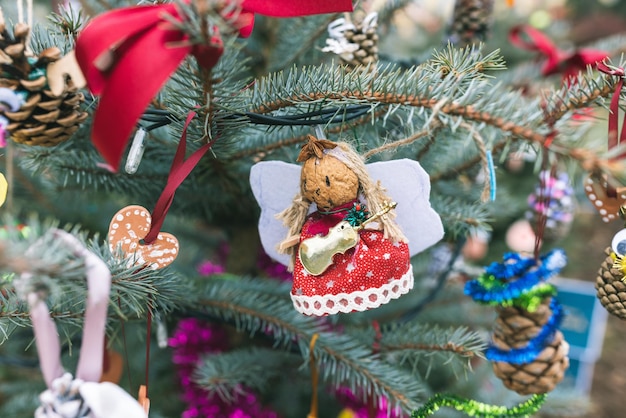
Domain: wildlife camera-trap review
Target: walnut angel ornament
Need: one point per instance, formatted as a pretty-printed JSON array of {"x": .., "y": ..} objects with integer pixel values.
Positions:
[{"x": 351, "y": 250}]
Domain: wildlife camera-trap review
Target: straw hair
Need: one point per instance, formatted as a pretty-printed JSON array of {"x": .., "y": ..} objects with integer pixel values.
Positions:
[{"x": 374, "y": 194}]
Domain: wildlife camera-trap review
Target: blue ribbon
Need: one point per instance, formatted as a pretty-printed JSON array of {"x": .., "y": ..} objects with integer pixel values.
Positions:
[{"x": 530, "y": 352}]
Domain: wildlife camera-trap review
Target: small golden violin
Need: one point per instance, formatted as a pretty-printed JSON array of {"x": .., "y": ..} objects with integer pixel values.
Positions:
[{"x": 316, "y": 253}]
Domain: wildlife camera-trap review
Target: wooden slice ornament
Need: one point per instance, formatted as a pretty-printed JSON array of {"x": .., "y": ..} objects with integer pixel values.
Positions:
[
  {"x": 596, "y": 188},
  {"x": 128, "y": 228}
]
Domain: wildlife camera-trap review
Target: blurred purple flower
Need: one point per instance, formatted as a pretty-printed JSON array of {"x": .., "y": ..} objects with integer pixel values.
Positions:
[
  {"x": 361, "y": 409},
  {"x": 272, "y": 268},
  {"x": 3, "y": 131},
  {"x": 208, "y": 268},
  {"x": 191, "y": 340}
]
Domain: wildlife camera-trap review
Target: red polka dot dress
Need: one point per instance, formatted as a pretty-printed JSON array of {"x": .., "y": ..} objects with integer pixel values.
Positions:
[{"x": 372, "y": 273}]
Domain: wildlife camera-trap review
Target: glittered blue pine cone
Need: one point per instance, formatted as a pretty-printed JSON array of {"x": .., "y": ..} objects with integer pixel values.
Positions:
[{"x": 554, "y": 198}]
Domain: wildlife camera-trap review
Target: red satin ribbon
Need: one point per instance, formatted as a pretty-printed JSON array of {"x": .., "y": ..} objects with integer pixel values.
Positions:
[
  {"x": 179, "y": 171},
  {"x": 557, "y": 61},
  {"x": 615, "y": 138},
  {"x": 128, "y": 54}
]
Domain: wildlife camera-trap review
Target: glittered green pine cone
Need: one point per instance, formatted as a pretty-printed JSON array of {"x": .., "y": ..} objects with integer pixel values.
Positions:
[
  {"x": 539, "y": 376},
  {"x": 515, "y": 326},
  {"x": 43, "y": 119},
  {"x": 471, "y": 22},
  {"x": 610, "y": 287}
]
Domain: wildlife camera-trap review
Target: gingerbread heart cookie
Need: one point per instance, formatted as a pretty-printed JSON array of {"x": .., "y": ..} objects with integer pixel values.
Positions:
[{"x": 126, "y": 231}]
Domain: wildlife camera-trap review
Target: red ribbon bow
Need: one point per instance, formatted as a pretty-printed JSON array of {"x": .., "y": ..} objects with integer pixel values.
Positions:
[
  {"x": 128, "y": 54},
  {"x": 557, "y": 61},
  {"x": 615, "y": 139}
]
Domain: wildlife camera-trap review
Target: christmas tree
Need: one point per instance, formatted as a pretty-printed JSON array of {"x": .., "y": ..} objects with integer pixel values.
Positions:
[{"x": 166, "y": 168}]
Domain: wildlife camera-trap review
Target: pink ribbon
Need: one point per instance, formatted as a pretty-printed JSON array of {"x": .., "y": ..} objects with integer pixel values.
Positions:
[
  {"x": 128, "y": 54},
  {"x": 89, "y": 366}
]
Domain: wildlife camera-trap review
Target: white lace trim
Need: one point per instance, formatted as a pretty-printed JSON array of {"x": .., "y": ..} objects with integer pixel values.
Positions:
[{"x": 321, "y": 305}]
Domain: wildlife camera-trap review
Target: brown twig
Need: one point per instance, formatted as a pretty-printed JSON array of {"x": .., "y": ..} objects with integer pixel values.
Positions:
[
  {"x": 464, "y": 166},
  {"x": 482, "y": 155},
  {"x": 453, "y": 109},
  {"x": 397, "y": 144},
  {"x": 557, "y": 113},
  {"x": 449, "y": 347}
]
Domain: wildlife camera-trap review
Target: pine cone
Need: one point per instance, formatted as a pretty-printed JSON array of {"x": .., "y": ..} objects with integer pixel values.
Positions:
[
  {"x": 471, "y": 22},
  {"x": 540, "y": 375},
  {"x": 516, "y": 326},
  {"x": 367, "y": 41},
  {"x": 43, "y": 119},
  {"x": 611, "y": 290}
]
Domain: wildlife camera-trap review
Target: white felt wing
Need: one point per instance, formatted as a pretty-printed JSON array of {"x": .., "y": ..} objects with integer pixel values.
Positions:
[
  {"x": 408, "y": 184},
  {"x": 274, "y": 185},
  {"x": 107, "y": 400}
]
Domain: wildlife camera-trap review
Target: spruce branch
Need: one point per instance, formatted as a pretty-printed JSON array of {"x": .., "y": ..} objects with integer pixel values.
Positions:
[
  {"x": 467, "y": 97},
  {"x": 237, "y": 371},
  {"x": 460, "y": 218},
  {"x": 262, "y": 145},
  {"x": 468, "y": 112},
  {"x": 460, "y": 62},
  {"x": 412, "y": 338},
  {"x": 58, "y": 273},
  {"x": 299, "y": 37},
  {"x": 342, "y": 359},
  {"x": 428, "y": 132}
]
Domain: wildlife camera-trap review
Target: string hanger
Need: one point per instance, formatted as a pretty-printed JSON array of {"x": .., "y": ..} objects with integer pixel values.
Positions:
[{"x": 319, "y": 132}]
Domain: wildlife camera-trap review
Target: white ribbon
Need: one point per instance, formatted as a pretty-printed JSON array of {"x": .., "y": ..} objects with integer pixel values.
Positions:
[
  {"x": 338, "y": 43},
  {"x": 341, "y": 47},
  {"x": 9, "y": 100},
  {"x": 370, "y": 21},
  {"x": 337, "y": 27},
  {"x": 65, "y": 397},
  {"x": 74, "y": 398}
]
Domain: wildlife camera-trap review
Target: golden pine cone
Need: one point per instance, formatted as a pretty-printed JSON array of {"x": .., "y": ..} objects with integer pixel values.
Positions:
[
  {"x": 539, "y": 376},
  {"x": 516, "y": 326},
  {"x": 471, "y": 22},
  {"x": 611, "y": 290},
  {"x": 43, "y": 119}
]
